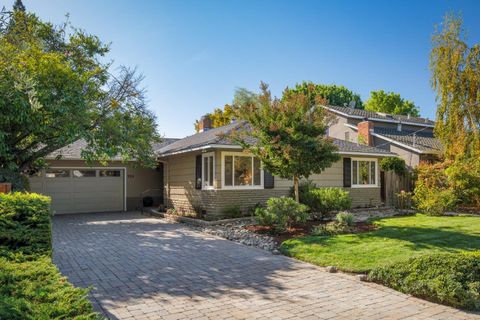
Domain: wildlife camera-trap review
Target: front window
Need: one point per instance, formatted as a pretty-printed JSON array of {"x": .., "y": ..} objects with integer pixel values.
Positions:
[
  {"x": 241, "y": 171},
  {"x": 208, "y": 170},
  {"x": 364, "y": 173}
]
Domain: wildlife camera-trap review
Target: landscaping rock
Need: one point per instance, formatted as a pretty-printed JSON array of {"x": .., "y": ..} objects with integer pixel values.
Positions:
[
  {"x": 331, "y": 269},
  {"x": 362, "y": 277},
  {"x": 235, "y": 231}
]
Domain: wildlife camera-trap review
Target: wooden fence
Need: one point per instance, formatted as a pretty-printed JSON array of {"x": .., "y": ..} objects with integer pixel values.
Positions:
[
  {"x": 395, "y": 184},
  {"x": 5, "y": 187}
]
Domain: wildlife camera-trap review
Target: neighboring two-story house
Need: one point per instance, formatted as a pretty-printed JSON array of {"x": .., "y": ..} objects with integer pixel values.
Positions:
[{"x": 411, "y": 138}]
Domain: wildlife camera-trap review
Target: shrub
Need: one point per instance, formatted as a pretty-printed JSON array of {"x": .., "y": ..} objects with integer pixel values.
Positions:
[
  {"x": 25, "y": 223},
  {"x": 282, "y": 213},
  {"x": 344, "y": 218},
  {"x": 394, "y": 164},
  {"x": 31, "y": 287},
  {"x": 433, "y": 195},
  {"x": 36, "y": 290},
  {"x": 304, "y": 192},
  {"x": 325, "y": 201},
  {"x": 232, "y": 211},
  {"x": 451, "y": 279},
  {"x": 403, "y": 200}
]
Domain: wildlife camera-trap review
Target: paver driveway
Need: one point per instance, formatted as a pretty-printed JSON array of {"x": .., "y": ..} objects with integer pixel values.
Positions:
[{"x": 146, "y": 268}]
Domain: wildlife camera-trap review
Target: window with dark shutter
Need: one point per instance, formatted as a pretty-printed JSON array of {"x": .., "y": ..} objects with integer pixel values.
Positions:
[
  {"x": 198, "y": 172},
  {"x": 268, "y": 180},
  {"x": 347, "y": 172}
]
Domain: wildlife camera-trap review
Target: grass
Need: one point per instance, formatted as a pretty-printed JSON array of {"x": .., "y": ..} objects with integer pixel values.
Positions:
[{"x": 396, "y": 239}]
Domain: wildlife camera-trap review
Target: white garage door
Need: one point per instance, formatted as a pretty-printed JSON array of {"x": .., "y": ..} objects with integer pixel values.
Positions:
[{"x": 76, "y": 190}]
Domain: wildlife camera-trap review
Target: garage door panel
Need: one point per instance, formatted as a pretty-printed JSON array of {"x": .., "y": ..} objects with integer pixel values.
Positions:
[{"x": 77, "y": 194}]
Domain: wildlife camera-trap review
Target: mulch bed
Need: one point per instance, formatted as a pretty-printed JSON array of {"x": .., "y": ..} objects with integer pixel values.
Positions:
[{"x": 304, "y": 230}]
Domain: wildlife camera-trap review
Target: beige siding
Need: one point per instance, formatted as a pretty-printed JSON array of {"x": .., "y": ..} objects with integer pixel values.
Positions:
[
  {"x": 411, "y": 158},
  {"x": 138, "y": 179},
  {"x": 182, "y": 195},
  {"x": 338, "y": 129}
]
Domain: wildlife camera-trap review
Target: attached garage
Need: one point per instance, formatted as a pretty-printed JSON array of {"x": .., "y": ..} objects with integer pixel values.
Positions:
[{"x": 75, "y": 190}]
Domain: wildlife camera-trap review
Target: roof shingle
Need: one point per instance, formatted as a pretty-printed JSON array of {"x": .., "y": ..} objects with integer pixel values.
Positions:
[
  {"x": 217, "y": 137},
  {"x": 381, "y": 116}
]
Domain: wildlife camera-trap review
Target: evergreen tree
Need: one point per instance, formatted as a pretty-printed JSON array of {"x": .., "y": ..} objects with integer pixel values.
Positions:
[{"x": 18, "y": 6}]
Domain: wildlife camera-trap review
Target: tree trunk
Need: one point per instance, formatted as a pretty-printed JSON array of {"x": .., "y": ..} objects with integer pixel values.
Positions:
[{"x": 295, "y": 189}]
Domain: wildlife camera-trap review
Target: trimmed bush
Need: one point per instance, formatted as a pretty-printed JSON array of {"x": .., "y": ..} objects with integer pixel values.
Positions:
[
  {"x": 325, "y": 201},
  {"x": 304, "y": 192},
  {"x": 232, "y": 211},
  {"x": 31, "y": 287},
  {"x": 345, "y": 218},
  {"x": 25, "y": 223},
  {"x": 282, "y": 213},
  {"x": 36, "y": 290},
  {"x": 447, "y": 278}
]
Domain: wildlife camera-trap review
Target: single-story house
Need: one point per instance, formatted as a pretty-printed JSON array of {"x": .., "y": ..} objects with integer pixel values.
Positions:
[
  {"x": 207, "y": 172},
  {"x": 203, "y": 172}
]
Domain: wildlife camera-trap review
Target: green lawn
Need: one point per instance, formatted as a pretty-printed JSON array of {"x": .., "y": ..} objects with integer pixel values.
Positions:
[{"x": 395, "y": 240}]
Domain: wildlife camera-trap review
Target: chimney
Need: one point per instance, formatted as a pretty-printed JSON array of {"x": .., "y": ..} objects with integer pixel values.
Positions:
[
  {"x": 205, "y": 123},
  {"x": 364, "y": 130}
]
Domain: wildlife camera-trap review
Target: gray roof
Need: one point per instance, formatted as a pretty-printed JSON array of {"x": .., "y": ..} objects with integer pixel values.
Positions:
[
  {"x": 74, "y": 151},
  {"x": 216, "y": 137},
  {"x": 424, "y": 141},
  {"x": 381, "y": 116}
]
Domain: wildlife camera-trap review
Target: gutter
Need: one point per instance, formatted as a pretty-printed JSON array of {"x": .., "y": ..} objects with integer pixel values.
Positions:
[{"x": 226, "y": 146}]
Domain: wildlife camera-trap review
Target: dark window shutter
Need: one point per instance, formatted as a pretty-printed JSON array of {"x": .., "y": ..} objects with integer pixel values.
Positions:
[
  {"x": 268, "y": 180},
  {"x": 347, "y": 172},
  {"x": 198, "y": 172}
]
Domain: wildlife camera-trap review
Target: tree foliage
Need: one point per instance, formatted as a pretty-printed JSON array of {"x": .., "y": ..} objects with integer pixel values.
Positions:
[
  {"x": 219, "y": 117},
  {"x": 55, "y": 89},
  {"x": 390, "y": 102},
  {"x": 328, "y": 94},
  {"x": 456, "y": 80},
  {"x": 394, "y": 164},
  {"x": 288, "y": 135}
]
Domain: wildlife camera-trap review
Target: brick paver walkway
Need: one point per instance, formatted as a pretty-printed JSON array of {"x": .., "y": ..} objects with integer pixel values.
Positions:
[{"x": 145, "y": 268}]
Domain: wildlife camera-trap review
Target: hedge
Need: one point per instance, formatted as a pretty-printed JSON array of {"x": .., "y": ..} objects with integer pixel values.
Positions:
[
  {"x": 35, "y": 289},
  {"x": 448, "y": 278},
  {"x": 31, "y": 287},
  {"x": 25, "y": 223}
]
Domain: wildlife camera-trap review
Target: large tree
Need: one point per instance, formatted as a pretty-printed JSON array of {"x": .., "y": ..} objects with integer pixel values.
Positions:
[
  {"x": 289, "y": 134},
  {"x": 55, "y": 89},
  {"x": 455, "y": 70},
  {"x": 330, "y": 94},
  {"x": 390, "y": 102},
  {"x": 219, "y": 117}
]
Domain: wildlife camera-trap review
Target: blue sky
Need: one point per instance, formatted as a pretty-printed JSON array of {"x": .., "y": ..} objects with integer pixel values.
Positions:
[{"x": 194, "y": 54}]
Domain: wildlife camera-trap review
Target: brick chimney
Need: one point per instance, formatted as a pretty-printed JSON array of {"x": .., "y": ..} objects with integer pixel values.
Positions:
[
  {"x": 364, "y": 130},
  {"x": 205, "y": 123}
]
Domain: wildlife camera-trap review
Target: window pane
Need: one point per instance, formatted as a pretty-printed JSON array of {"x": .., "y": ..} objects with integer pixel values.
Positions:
[
  {"x": 354, "y": 172},
  {"x": 57, "y": 173},
  {"x": 228, "y": 170},
  {"x": 372, "y": 172},
  {"x": 364, "y": 172},
  {"x": 243, "y": 171},
  {"x": 109, "y": 173},
  {"x": 210, "y": 171},
  {"x": 256, "y": 172},
  {"x": 83, "y": 173}
]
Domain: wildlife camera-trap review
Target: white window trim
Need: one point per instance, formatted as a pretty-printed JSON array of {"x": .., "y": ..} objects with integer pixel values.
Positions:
[
  {"x": 243, "y": 154},
  {"x": 376, "y": 185},
  {"x": 207, "y": 155}
]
